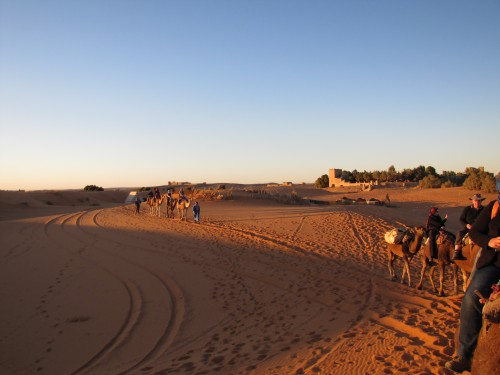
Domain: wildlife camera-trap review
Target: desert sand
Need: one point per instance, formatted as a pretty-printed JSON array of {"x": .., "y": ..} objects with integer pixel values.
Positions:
[{"x": 259, "y": 287}]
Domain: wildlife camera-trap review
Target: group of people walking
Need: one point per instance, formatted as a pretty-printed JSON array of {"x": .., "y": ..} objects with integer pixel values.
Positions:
[
  {"x": 482, "y": 224},
  {"x": 155, "y": 194}
]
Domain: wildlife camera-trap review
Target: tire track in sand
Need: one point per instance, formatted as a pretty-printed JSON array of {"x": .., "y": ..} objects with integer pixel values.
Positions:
[
  {"x": 173, "y": 292},
  {"x": 135, "y": 300},
  {"x": 93, "y": 249}
]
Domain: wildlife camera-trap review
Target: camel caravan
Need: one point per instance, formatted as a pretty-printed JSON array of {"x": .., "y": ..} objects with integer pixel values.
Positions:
[
  {"x": 156, "y": 201},
  {"x": 406, "y": 243}
]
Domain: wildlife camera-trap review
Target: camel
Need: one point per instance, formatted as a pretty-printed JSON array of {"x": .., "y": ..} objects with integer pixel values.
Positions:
[
  {"x": 470, "y": 252},
  {"x": 486, "y": 356},
  {"x": 150, "y": 203},
  {"x": 182, "y": 209},
  {"x": 170, "y": 203},
  {"x": 155, "y": 205},
  {"x": 445, "y": 244},
  {"x": 406, "y": 251}
]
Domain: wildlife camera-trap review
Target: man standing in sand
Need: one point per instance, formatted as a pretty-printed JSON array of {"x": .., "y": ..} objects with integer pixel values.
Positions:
[
  {"x": 467, "y": 218},
  {"x": 137, "y": 204},
  {"x": 486, "y": 233},
  {"x": 196, "y": 212}
]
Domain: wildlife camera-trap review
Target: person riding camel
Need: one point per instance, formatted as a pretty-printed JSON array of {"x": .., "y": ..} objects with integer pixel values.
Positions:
[
  {"x": 433, "y": 226},
  {"x": 182, "y": 196},
  {"x": 467, "y": 218},
  {"x": 157, "y": 194}
]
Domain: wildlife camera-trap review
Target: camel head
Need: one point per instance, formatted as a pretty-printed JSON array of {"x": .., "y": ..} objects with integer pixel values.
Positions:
[{"x": 419, "y": 231}]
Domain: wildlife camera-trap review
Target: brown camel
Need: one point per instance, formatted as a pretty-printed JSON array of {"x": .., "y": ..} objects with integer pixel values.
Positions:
[
  {"x": 150, "y": 203},
  {"x": 182, "y": 208},
  {"x": 470, "y": 252},
  {"x": 155, "y": 205},
  {"x": 406, "y": 251},
  {"x": 445, "y": 245},
  {"x": 486, "y": 356},
  {"x": 171, "y": 204}
]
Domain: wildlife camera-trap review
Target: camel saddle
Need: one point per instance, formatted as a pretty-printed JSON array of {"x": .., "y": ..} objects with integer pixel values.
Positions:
[
  {"x": 398, "y": 235},
  {"x": 466, "y": 240},
  {"x": 444, "y": 236}
]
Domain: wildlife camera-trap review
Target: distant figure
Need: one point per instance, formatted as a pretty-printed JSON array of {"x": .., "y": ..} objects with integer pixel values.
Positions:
[
  {"x": 137, "y": 204},
  {"x": 387, "y": 200},
  {"x": 467, "y": 218},
  {"x": 151, "y": 193},
  {"x": 433, "y": 226},
  {"x": 169, "y": 196},
  {"x": 196, "y": 212}
]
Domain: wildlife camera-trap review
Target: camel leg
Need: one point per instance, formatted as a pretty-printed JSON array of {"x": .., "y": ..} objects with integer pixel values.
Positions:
[
  {"x": 431, "y": 278},
  {"x": 442, "y": 269},
  {"x": 406, "y": 267},
  {"x": 454, "y": 270},
  {"x": 390, "y": 265},
  {"x": 425, "y": 263}
]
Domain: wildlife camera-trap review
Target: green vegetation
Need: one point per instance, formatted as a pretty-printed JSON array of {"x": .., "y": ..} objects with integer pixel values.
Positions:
[
  {"x": 478, "y": 179},
  {"x": 93, "y": 188},
  {"x": 473, "y": 178},
  {"x": 322, "y": 182},
  {"x": 430, "y": 182}
]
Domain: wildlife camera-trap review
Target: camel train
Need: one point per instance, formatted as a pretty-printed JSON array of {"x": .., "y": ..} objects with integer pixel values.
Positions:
[
  {"x": 171, "y": 204},
  {"x": 415, "y": 240}
]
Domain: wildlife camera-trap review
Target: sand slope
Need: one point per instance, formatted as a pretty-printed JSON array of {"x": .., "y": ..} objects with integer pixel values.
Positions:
[{"x": 257, "y": 288}]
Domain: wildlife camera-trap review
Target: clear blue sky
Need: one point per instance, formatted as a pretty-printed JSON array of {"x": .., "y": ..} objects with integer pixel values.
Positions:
[{"x": 137, "y": 93}]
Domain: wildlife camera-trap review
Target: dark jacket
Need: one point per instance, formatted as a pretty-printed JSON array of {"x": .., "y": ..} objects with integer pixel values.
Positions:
[
  {"x": 469, "y": 215},
  {"x": 481, "y": 232},
  {"x": 434, "y": 222}
]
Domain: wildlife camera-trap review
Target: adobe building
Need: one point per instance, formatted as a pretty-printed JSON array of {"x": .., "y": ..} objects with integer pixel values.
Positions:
[{"x": 335, "y": 180}]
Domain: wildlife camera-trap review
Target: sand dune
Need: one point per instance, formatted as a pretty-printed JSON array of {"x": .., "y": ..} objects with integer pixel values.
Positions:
[{"x": 257, "y": 288}]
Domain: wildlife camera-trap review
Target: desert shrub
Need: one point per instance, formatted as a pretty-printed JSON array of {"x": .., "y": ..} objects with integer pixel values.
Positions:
[
  {"x": 93, "y": 188},
  {"x": 212, "y": 195},
  {"x": 430, "y": 182},
  {"x": 447, "y": 184},
  {"x": 488, "y": 184},
  {"x": 478, "y": 179},
  {"x": 322, "y": 182}
]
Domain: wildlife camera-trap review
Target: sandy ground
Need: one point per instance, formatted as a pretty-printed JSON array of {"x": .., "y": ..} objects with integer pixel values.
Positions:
[{"x": 89, "y": 287}]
